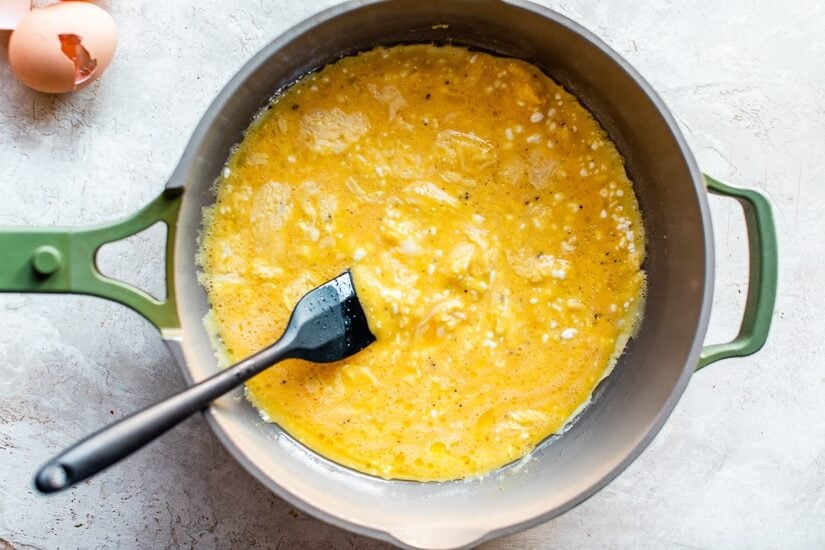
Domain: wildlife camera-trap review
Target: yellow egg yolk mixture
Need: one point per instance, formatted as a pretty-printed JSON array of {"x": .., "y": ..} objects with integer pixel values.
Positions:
[{"x": 493, "y": 236}]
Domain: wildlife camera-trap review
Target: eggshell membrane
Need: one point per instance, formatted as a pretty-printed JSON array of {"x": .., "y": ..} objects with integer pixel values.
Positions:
[{"x": 35, "y": 53}]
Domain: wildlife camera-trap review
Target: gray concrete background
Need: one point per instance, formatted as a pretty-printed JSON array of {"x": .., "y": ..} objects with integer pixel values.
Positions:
[{"x": 741, "y": 462}]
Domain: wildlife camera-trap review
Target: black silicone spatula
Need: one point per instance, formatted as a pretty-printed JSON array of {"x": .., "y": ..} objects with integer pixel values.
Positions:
[{"x": 328, "y": 324}]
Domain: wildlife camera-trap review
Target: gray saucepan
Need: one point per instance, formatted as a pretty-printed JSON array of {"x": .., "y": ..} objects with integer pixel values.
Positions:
[{"x": 627, "y": 409}]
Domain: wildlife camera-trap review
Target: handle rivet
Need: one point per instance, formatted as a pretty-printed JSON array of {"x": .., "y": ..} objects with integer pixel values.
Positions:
[{"x": 46, "y": 259}]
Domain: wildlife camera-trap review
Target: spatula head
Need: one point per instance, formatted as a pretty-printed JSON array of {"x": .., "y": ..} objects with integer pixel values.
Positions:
[{"x": 328, "y": 323}]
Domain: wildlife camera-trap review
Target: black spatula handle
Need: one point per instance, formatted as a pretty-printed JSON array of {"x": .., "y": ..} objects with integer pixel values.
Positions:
[{"x": 118, "y": 440}]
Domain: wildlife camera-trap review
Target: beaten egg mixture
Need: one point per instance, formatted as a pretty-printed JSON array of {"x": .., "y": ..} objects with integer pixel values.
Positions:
[{"x": 493, "y": 236}]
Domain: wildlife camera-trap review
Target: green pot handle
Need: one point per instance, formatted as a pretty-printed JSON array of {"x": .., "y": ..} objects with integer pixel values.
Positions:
[
  {"x": 756, "y": 322},
  {"x": 63, "y": 260}
]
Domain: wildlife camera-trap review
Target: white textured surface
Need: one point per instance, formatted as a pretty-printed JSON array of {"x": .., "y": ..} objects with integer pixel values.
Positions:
[{"x": 740, "y": 464}]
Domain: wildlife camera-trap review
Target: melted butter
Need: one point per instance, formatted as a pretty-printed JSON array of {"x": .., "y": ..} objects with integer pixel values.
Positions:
[{"x": 494, "y": 238}]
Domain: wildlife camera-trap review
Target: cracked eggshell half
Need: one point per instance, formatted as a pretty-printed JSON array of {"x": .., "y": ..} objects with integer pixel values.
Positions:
[{"x": 62, "y": 47}]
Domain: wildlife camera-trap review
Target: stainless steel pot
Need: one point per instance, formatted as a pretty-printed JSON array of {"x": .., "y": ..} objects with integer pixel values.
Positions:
[{"x": 628, "y": 408}]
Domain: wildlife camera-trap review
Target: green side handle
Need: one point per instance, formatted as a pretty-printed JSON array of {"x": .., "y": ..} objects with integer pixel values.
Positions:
[
  {"x": 63, "y": 260},
  {"x": 759, "y": 306}
]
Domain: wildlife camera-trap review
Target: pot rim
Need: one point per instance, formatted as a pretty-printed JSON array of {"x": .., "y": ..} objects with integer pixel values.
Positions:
[{"x": 174, "y": 341}]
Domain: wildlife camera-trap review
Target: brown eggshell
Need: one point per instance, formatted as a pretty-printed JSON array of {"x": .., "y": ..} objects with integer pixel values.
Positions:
[{"x": 35, "y": 49}]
